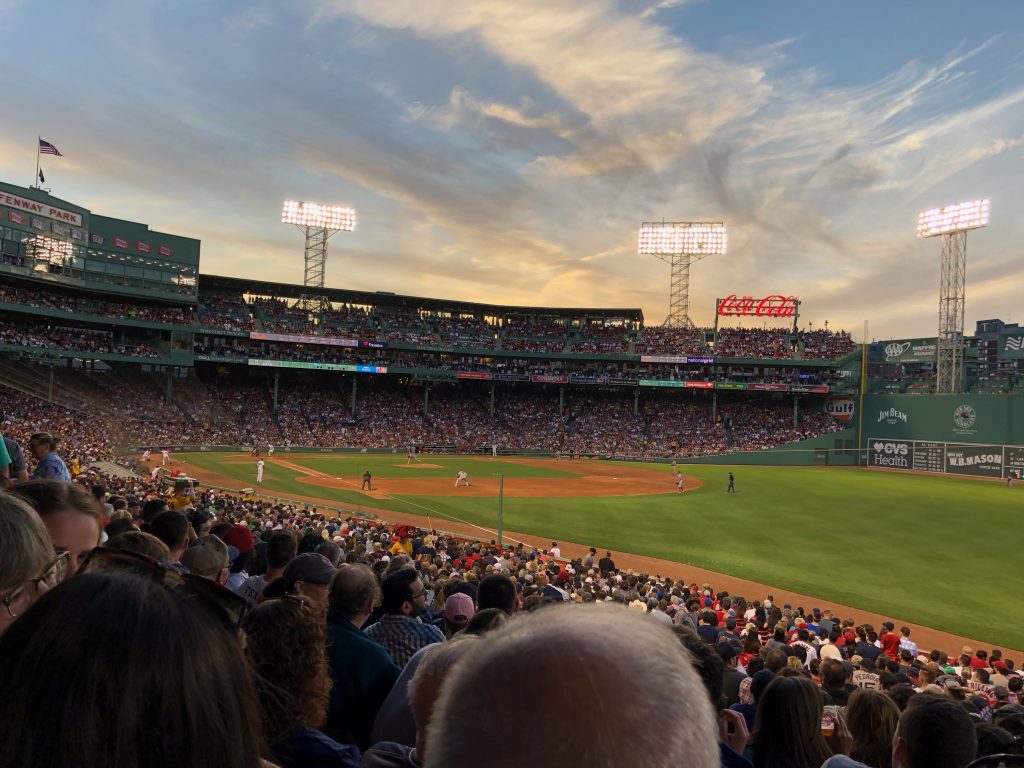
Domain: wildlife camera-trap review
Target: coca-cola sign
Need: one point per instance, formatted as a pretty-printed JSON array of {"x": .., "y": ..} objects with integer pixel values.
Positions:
[{"x": 774, "y": 305}]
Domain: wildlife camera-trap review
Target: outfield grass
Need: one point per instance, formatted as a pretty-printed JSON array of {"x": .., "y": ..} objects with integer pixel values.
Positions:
[{"x": 937, "y": 551}]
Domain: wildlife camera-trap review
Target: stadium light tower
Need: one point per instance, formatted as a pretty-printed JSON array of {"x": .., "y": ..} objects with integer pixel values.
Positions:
[
  {"x": 953, "y": 223},
  {"x": 680, "y": 243},
  {"x": 320, "y": 223}
]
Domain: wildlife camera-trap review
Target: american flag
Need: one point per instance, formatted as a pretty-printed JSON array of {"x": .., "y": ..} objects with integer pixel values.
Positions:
[{"x": 47, "y": 148}]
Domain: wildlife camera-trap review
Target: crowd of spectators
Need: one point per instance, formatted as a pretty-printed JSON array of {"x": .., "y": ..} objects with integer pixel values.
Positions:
[
  {"x": 82, "y": 305},
  {"x": 231, "y": 413},
  {"x": 224, "y": 310},
  {"x": 38, "y": 336},
  {"x": 312, "y": 639}
]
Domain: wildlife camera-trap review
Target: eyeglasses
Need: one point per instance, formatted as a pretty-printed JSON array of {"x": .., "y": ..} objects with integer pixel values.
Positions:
[
  {"x": 17, "y": 601},
  {"x": 300, "y": 601},
  {"x": 421, "y": 594},
  {"x": 107, "y": 560}
]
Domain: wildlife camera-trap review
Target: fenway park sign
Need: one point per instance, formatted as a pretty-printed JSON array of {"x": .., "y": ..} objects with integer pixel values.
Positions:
[{"x": 768, "y": 306}]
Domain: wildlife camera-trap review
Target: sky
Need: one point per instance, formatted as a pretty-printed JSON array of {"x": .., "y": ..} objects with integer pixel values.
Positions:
[{"x": 507, "y": 152}]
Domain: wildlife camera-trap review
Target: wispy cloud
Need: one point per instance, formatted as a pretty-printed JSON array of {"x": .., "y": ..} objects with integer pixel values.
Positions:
[{"x": 508, "y": 151}]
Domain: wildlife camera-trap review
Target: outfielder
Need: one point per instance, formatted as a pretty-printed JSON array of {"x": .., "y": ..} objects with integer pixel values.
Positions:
[
  {"x": 732, "y": 484},
  {"x": 462, "y": 478},
  {"x": 259, "y": 471}
]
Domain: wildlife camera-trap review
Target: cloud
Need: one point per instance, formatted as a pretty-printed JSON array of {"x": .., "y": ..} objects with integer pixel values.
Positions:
[{"x": 507, "y": 152}]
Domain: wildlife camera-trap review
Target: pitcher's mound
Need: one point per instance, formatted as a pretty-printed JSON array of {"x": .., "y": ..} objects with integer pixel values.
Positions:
[{"x": 420, "y": 465}]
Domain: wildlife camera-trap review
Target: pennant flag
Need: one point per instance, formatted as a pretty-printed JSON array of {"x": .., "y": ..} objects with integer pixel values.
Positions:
[
  {"x": 47, "y": 148},
  {"x": 42, "y": 179}
]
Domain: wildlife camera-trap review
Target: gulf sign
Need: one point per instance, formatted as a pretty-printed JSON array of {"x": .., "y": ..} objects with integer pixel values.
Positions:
[{"x": 840, "y": 408}]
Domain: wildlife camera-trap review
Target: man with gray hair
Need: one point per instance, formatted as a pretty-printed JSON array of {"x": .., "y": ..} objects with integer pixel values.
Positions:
[
  {"x": 606, "y": 676},
  {"x": 361, "y": 669},
  {"x": 435, "y": 666}
]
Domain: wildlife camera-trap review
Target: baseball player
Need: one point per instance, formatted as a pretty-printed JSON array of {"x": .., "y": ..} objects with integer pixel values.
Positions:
[
  {"x": 679, "y": 482},
  {"x": 674, "y": 471},
  {"x": 494, "y": 450},
  {"x": 146, "y": 454},
  {"x": 367, "y": 482},
  {"x": 259, "y": 471},
  {"x": 462, "y": 478},
  {"x": 411, "y": 456},
  {"x": 270, "y": 450},
  {"x": 166, "y": 454},
  {"x": 732, "y": 484},
  {"x": 155, "y": 473}
]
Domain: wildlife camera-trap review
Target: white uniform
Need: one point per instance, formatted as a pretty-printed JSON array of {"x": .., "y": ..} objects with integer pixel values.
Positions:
[
  {"x": 679, "y": 482},
  {"x": 270, "y": 450},
  {"x": 259, "y": 471},
  {"x": 146, "y": 454},
  {"x": 674, "y": 471},
  {"x": 494, "y": 450},
  {"x": 462, "y": 478},
  {"x": 167, "y": 456},
  {"x": 155, "y": 473}
]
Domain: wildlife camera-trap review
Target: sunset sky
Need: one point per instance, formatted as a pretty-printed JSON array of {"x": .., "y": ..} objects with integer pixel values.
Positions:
[{"x": 504, "y": 151}]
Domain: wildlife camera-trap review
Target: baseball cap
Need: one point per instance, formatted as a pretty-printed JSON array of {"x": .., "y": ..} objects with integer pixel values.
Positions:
[
  {"x": 726, "y": 651},
  {"x": 459, "y": 605},
  {"x": 311, "y": 567},
  {"x": 239, "y": 537},
  {"x": 207, "y": 557}
]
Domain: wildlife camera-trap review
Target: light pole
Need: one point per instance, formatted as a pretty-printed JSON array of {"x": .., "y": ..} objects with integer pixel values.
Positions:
[
  {"x": 319, "y": 223},
  {"x": 680, "y": 243},
  {"x": 953, "y": 223}
]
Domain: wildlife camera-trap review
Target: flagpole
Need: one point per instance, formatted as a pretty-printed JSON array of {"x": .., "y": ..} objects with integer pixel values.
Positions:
[{"x": 35, "y": 183}]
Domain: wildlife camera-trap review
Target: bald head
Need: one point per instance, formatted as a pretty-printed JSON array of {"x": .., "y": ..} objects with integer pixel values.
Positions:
[
  {"x": 605, "y": 675},
  {"x": 354, "y": 592}
]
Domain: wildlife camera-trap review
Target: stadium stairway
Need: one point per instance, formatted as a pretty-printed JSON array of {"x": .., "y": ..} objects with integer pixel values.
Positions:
[{"x": 35, "y": 380}]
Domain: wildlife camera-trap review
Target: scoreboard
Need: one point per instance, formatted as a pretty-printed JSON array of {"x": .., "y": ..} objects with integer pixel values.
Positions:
[{"x": 948, "y": 458}]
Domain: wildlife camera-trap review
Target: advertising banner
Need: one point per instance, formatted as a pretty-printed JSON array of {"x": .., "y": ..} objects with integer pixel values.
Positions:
[
  {"x": 699, "y": 384},
  {"x": 546, "y": 379},
  {"x": 978, "y": 460},
  {"x": 840, "y": 408},
  {"x": 262, "y": 363},
  {"x": 661, "y": 383},
  {"x": 477, "y": 375},
  {"x": 620, "y": 381},
  {"x": 573, "y": 379},
  {"x": 730, "y": 385},
  {"x": 1011, "y": 346},
  {"x": 890, "y": 454},
  {"x": 767, "y": 387},
  {"x": 511, "y": 377},
  {"x": 814, "y": 389},
  {"x": 909, "y": 351},
  {"x": 775, "y": 305}
]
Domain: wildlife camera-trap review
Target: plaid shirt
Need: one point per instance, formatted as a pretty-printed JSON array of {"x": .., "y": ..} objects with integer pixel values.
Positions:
[{"x": 402, "y": 636}]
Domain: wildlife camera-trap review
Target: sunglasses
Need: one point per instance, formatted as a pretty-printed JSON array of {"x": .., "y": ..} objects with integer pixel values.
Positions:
[
  {"x": 107, "y": 560},
  {"x": 53, "y": 574}
]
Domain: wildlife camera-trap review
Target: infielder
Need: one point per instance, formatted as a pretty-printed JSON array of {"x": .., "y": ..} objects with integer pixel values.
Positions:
[
  {"x": 146, "y": 454},
  {"x": 270, "y": 450},
  {"x": 411, "y": 456},
  {"x": 154, "y": 474},
  {"x": 462, "y": 478},
  {"x": 166, "y": 456},
  {"x": 259, "y": 471},
  {"x": 674, "y": 472},
  {"x": 679, "y": 482}
]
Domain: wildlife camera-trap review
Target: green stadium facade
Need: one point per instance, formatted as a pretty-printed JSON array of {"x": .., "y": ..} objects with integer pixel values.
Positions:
[{"x": 63, "y": 266}]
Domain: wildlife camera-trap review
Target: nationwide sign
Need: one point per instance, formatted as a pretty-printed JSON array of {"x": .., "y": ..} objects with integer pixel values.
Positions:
[
  {"x": 41, "y": 209},
  {"x": 774, "y": 305},
  {"x": 674, "y": 359},
  {"x": 317, "y": 366},
  {"x": 909, "y": 350}
]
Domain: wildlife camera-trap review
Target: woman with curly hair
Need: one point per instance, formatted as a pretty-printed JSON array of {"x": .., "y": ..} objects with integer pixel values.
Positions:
[{"x": 285, "y": 644}]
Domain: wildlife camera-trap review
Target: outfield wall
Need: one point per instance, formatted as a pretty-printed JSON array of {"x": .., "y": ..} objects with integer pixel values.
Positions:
[
  {"x": 974, "y": 435},
  {"x": 833, "y": 449}
]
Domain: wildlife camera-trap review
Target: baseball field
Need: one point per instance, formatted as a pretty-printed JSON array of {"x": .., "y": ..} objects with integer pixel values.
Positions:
[{"x": 937, "y": 552}]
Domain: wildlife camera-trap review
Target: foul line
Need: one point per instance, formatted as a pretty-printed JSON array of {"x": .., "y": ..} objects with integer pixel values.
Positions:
[{"x": 317, "y": 473}]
